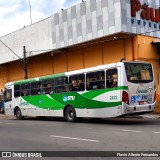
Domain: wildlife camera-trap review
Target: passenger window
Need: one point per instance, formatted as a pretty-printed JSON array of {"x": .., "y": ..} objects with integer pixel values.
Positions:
[
  {"x": 95, "y": 80},
  {"x": 61, "y": 84},
  {"x": 8, "y": 95},
  {"x": 111, "y": 78},
  {"x": 36, "y": 88},
  {"x": 17, "y": 90},
  {"x": 25, "y": 89},
  {"x": 48, "y": 86},
  {"x": 77, "y": 82}
]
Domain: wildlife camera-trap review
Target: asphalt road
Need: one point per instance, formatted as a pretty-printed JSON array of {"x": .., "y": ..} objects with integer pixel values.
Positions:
[{"x": 35, "y": 134}]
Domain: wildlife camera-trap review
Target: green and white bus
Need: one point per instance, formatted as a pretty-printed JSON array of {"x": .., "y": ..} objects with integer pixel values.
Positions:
[{"x": 111, "y": 90}]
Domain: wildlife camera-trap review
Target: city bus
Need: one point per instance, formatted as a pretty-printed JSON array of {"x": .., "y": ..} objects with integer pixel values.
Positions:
[{"x": 105, "y": 91}]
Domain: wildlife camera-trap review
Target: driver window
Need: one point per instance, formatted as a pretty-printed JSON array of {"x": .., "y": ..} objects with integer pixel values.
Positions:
[{"x": 8, "y": 95}]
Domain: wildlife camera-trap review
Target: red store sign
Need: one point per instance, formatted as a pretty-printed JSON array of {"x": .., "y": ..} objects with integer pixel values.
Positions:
[{"x": 146, "y": 12}]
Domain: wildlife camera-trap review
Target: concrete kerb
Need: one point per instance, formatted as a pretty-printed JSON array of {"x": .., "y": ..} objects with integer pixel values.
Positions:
[{"x": 155, "y": 115}]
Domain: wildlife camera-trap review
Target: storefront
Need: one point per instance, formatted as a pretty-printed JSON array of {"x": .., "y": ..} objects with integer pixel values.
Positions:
[{"x": 86, "y": 35}]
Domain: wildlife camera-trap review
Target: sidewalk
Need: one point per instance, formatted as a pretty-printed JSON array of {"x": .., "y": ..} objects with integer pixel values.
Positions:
[
  {"x": 151, "y": 115},
  {"x": 3, "y": 116}
]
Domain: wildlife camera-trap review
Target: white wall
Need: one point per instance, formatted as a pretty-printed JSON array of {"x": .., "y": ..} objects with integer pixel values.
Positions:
[{"x": 35, "y": 37}]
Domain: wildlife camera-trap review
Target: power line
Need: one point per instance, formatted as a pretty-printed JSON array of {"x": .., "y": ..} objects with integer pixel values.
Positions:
[
  {"x": 10, "y": 49},
  {"x": 47, "y": 50},
  {"x": 23, "y": 61}
]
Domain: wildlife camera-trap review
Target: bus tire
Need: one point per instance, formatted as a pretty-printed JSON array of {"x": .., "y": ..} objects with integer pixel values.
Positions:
[
  {"x": 19, "y": 114},
  {"x": 70, "y": 114}
]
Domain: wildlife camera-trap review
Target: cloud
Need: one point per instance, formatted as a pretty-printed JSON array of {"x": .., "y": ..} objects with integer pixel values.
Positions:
[
  {"x": 15, "y": 14},
  {"x": 8, "y": 3}
]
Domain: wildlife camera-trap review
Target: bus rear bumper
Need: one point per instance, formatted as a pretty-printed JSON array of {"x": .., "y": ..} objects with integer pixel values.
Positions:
[{"x": 138, "y": 109}]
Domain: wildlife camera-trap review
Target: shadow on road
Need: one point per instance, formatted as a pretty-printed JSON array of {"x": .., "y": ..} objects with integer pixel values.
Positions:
[{"x": 108, "y": 121}]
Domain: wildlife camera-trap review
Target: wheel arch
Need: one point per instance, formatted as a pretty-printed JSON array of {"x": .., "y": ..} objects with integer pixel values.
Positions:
[
  {"x": 68, "y": 105},
  {"x": 16, "y": 109}
]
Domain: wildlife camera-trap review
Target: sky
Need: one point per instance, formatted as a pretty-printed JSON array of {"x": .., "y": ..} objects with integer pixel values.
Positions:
[{"x": 15, "y": 14}]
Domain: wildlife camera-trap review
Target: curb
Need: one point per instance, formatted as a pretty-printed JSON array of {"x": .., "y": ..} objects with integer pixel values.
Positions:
[{"x": 151, "y": 116}]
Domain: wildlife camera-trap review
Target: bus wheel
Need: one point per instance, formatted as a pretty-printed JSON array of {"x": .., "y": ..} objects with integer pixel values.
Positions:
[
  {"x": 70, "y": 114},
  {"x": 18, "y": 114}
]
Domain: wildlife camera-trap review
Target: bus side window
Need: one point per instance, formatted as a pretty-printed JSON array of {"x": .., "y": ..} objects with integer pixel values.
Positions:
[
  {"x": 51, "y": 86},
  {"x": 17, "y": 90},
  {"x": 111, "y": 78},
  {"x": 36, "y": 88},
  {"x": 95, "y": 80},
  {"x": 76, "y": 82},
  {"x": 61, "y": 84},
  {"x": 25, "y": 89},
  {"x": 48, "y": 86},
  {"x": 8, "y": 95}
]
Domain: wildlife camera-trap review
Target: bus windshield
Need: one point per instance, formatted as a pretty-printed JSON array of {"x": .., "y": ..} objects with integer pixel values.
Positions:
[{"x": 139, "y": 72}]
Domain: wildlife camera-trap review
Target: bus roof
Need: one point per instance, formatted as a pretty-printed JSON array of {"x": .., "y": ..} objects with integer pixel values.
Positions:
[
  {"x": 100, "y": 67},
  {"x": 39, "y": 78}
]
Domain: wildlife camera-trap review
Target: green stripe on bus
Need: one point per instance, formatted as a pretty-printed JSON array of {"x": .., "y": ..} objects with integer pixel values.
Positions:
[
  {"x": 40, "y": 78},
  {"x": 43, "y": 101},
  {"x": 94, "y": 93},
  {"x": 56, "y": 101},
  {"x": 52, "y": 76}
]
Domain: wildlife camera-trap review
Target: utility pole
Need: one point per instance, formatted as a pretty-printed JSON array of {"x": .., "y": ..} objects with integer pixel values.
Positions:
[
  {"x": 24, "y": 63},
  {"x": 30, "y": 11}
]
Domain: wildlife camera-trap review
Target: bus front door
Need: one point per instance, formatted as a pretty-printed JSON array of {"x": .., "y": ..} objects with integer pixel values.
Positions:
[{"x": 8, "y": 101}]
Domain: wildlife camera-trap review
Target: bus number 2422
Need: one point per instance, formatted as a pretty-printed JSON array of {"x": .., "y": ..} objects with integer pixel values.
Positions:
[{"x": 113, "y": 97}]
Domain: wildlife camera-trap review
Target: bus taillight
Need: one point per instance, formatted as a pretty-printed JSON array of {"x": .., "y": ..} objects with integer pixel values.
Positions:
[{"x": 125, "y": 97}]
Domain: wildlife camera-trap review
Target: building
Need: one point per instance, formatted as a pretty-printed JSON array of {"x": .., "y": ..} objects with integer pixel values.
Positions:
[{"x": 91, "y": 33}]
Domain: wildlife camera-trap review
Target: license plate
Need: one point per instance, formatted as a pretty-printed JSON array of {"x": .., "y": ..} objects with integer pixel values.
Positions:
[
  {"x": 141, "y": 102},
  {"x": 139, "y": 98}
]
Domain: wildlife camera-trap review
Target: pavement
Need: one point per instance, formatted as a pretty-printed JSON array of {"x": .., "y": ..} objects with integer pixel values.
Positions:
[
  {"x": 155, "y": 115},
  {"x": 3, "y": 116}
]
